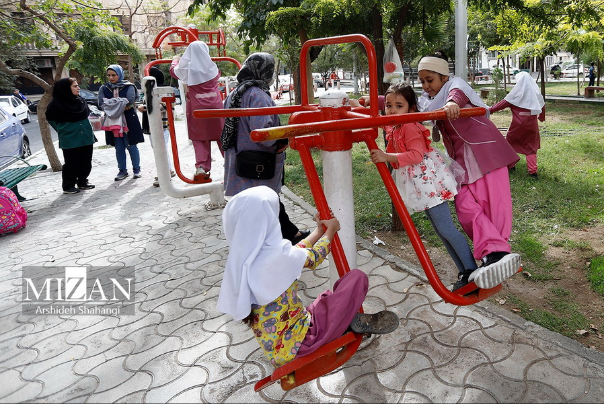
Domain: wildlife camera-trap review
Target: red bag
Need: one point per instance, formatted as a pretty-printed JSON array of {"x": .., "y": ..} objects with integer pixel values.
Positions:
[
  {"x": 393, "y": 68},
  {"x": 12, "y": 215}
]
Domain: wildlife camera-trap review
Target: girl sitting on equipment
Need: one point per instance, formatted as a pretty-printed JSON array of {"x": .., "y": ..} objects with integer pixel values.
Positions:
[
  {"x": 425, "y": 178},
  {"x": 260, "y": 283}
]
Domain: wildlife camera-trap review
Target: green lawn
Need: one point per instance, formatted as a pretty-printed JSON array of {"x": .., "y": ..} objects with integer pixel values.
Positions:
[{"x": 567, "y": 196}]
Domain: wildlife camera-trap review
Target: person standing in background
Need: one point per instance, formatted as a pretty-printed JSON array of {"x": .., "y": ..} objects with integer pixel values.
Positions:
[
  {"x": 528, "y": 106},
  {"x": 592, "y": 74},
  {"x": 253, "y": 91},
  {"x": 115, "y": 88},
  {"x": 200, "y": 74},
  {"x": 68, "y": 114}
]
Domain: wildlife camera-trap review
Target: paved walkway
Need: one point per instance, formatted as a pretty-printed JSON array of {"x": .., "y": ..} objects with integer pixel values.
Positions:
[{"x": 178, "y": 348}]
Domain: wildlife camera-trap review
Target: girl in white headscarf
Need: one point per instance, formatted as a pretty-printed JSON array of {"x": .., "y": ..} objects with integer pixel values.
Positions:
[
  {"x": 200, "y": 75},
  {"x": 260, "y": 282},
  {"x": 527, "y": 105}
]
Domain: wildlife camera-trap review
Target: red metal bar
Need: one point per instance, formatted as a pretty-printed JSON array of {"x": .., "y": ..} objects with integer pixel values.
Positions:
[
  {"x": 169, "y": 101},
  {"x": 371, "y": 59},
  {"x": 261, "y": 135},
  {"x": 238, "y": 112},
  {"x": 227, "y": 59},
  {"x": 320, "y": 200}
]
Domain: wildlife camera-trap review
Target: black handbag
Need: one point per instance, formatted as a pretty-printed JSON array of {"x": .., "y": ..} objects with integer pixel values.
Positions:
[{"x": 255, "y": 164}]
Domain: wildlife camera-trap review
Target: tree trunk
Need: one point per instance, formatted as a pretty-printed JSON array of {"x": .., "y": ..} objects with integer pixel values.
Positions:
[
  {"x": 378, "y": 43},
  {"x": 541, "y": 62},
  {"x": 49, "y": 147}
]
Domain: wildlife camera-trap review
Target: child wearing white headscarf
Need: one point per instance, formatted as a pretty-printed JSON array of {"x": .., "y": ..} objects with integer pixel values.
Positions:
[
  {"x": 484, "y": 202},
  {"x": 527, "y": 106},
  {"x": 260, "y": 282},
  {"x": 199, "y": 73}
]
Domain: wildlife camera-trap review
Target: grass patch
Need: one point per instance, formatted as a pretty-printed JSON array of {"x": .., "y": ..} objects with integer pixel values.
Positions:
[
  {"x": 595, "y": 275},
  {"x": 564, "y": 317}
]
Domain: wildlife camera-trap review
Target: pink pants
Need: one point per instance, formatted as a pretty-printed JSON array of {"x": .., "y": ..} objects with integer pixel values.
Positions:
[
  {"x": 332, "y": 312},
  {"x": 203, "y": 153},
  {"x": 531, "y": 163},
  {"x": 484, "y": 209}
]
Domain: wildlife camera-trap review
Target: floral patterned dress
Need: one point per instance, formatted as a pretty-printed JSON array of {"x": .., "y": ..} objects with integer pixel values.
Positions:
[
  {"x": 281, "y": 325},
  {"x": 428, "y": 183}
]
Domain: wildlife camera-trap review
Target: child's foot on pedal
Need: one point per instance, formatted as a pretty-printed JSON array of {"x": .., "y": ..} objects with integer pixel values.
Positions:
[
  {"x": 498, "y": 267},
  {"x": 382, "y": 322}
]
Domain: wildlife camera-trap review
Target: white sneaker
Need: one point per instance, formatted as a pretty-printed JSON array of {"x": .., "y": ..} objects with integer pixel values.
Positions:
[
  {"x": 200, "y": 171},
  {"x": 488, "y": 277}
]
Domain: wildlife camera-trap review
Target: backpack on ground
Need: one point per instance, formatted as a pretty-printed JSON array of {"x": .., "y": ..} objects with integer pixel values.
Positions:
[{"x": 12, "y": 215}]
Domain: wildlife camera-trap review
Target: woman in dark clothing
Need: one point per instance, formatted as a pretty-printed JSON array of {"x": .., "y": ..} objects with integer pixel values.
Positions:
[
  {"x": 68, "y": 113},
  {"x": 131, "y": 133}
]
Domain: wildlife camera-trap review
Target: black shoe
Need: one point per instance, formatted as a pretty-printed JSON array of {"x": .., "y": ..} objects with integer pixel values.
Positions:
[
  {"x": 85, "y": 187},
  {"x": 534, "y": 175},
  {"x": 462, "y": 280},
  {"x": 302, "y": 236},
  {"x": 383, "y": 322},
  {"x": 72, "y": 190},
  {"x": 493, "y": 258}
]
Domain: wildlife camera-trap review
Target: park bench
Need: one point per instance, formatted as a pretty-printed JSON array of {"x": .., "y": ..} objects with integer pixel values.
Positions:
[
  {"x": 11, "y": 177},
  {"x": 484, "y": 91},
  {"x": 590, "y": 91}
]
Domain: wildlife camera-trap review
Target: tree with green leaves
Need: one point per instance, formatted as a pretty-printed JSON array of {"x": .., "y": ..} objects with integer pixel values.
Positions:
[{"x": 87, "y": 36}]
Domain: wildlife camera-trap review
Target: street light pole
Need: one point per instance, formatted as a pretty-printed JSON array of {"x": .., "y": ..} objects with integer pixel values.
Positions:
[{"x": 461, "y": 39}]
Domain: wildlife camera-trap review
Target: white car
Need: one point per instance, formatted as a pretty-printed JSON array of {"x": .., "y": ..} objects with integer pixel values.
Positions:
[
  {"x": 14, "y": 106},
  {"x": 572, "y": 70}
]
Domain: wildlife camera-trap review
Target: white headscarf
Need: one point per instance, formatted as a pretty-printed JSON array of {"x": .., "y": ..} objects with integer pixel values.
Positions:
[
  {"x": 427, "y": 104},
  {"x": 196, "y": 65},
  {"x": 261, "y": 264},
  {"x": 526, "y": 94}
]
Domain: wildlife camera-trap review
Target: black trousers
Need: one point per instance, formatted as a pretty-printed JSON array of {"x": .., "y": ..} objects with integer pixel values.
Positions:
[
  {"x": 77, "y": 167},
  {"x": 288, "y": 229}
]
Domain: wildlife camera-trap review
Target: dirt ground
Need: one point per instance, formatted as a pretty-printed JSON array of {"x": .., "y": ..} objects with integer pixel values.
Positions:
[{"x": 570, "y": 274}]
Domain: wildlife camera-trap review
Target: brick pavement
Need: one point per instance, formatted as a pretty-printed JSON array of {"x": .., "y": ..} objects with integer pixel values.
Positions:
[{"x": 178, "y": 348}]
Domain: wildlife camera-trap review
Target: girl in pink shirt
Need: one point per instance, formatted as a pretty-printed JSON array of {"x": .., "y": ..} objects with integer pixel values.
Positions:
[
  {"x": 484, "y": 202},
  {"x": 425, "y": 178}
]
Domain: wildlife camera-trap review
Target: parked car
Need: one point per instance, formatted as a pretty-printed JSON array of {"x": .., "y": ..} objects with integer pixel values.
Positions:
[
  {"x": 573, "y": 71},
  {"x": 285, "y": 84},
  {"x": 13, "y": 139},
  {"x": 89, "y": 96},
  {"x": 317, "y": 79},
  {"x": 16, "y": 107}
]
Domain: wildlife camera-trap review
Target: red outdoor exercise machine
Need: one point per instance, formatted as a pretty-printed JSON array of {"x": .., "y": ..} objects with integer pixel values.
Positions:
[
  {"x": 166, "y": 95},
  {"x": 333, "y": 127}
]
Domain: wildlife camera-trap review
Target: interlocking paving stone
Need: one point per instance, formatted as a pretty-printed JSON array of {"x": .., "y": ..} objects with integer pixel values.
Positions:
[{"x": 178, "y": 348}]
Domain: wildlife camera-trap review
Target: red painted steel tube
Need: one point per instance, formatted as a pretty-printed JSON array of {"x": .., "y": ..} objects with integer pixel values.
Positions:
[
  {"x": 153, "y": 63},
  {"x": 371, "y": 60},
  {"x": 414, "y": 237},
  {"x": 237, "y": 112},
  {"x": 168, "y": 101},
  {"x": 227, "y": 59},
  {"x": 261, "y": 135},
  {"x": 321, "y": 201}
]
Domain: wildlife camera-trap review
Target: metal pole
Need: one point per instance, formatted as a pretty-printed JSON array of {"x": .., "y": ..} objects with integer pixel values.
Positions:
[{"x": 461, "y": 39}]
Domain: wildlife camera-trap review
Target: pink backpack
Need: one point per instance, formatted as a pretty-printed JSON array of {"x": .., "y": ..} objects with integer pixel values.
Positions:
[{"x": 12, "y": 214}]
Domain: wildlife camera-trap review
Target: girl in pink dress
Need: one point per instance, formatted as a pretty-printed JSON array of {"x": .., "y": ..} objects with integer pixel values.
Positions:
[
  {"x": 484, "y": 201},
  {"x": 528, "y": 106},
  {"x": 200, "y": 75},
  {"x": 426, "y": 179}
]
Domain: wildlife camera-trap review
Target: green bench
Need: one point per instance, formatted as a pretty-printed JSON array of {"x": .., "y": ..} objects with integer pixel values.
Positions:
[{"x": 11, "y": 177}]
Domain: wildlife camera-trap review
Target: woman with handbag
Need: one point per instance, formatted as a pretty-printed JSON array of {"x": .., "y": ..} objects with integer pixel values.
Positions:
[{"x": 247, "y": 163}]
